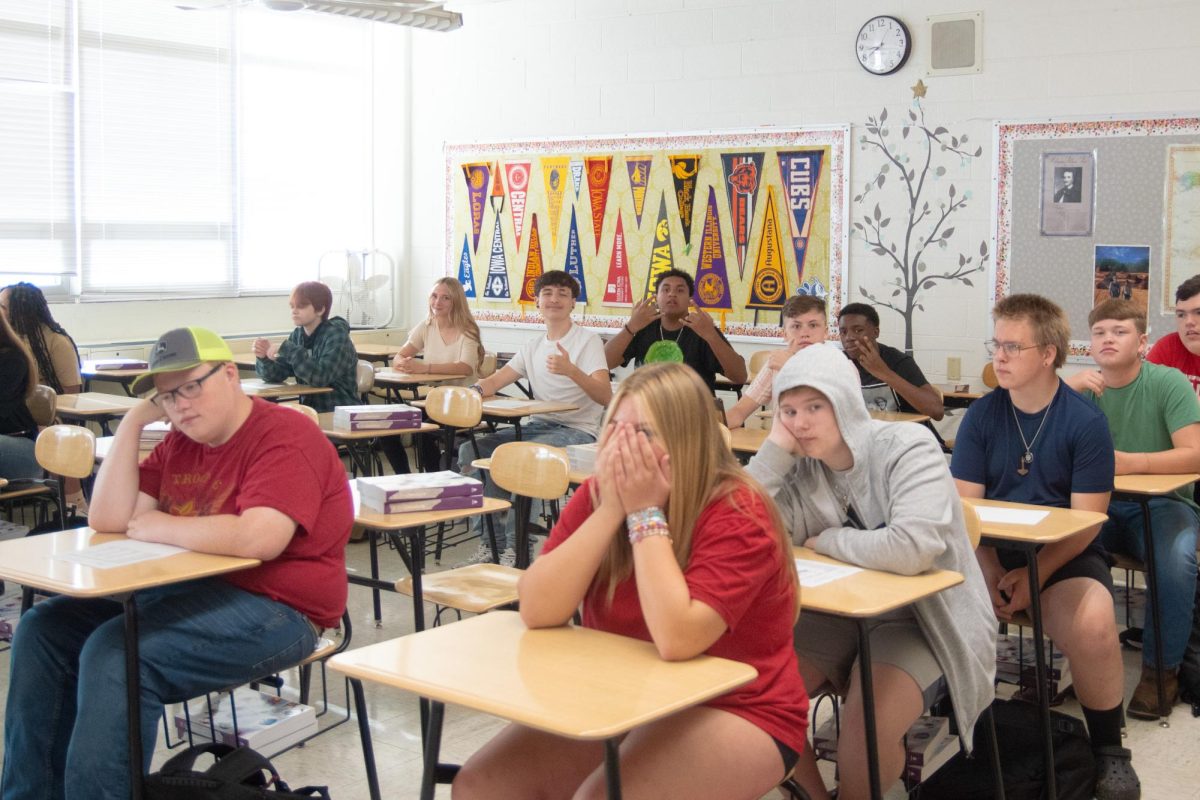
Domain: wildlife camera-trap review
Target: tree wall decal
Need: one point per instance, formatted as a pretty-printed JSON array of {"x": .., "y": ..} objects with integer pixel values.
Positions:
[{"x": 925, "y": 216}]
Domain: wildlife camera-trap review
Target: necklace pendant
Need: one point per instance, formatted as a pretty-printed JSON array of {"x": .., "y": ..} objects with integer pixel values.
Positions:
[{"x": 1022, "y": 470}]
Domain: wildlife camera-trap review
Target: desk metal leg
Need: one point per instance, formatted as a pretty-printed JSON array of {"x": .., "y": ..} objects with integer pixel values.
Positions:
[
  {"x": 433, "y": 746},
  {"x": 1155, "y": 608},
  {"x": 1039, "y": 660},
  {"x": 612, "y": 768},
  {"x": 374, "y": 537},
  {"x": 364, "y": 734},
  {"x": 868, "y": 694},
  {"x": 133, "y": 699}
]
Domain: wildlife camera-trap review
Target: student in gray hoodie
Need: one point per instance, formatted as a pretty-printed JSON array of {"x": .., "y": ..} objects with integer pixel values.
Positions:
[{"x": 878, "y": 495}]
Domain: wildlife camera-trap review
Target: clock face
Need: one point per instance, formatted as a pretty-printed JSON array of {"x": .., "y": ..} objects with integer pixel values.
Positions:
[{"x": 883, "y": 45}]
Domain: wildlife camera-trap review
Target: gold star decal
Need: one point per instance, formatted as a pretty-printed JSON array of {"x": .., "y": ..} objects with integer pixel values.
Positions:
[{"x": 918, "y": 89}]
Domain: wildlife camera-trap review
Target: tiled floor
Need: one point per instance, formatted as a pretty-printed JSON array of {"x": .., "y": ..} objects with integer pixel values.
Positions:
[{"x": 1167, "y": 759}]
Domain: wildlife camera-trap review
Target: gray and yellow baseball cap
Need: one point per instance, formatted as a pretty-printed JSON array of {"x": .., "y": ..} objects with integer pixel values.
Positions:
[{"x": 182, "y": 348}]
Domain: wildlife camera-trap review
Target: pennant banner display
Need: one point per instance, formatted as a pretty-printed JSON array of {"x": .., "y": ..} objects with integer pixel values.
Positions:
[
  {"x": 576, "y": 175},
  {"x": 599, "y": 176},
  {"x": 497, "y": 196},
  {"x": 533, "y": 266},
  {"x": 518, "y": 192},
  {"x": 660, "y": 253},
  {"x": 768, "y": 288},
  {"x": 638, "y": 168},
  {"x": 801, "y": 174},
  {"x": 466, "y": 275},
  {"x": 554, "y": 176},
  {"x": 573, "y": 266},
  {"x": 743, "y": 174},
  {"x": 683, "y": 172},
  {"x": 618, "y": 291},
  {"x": 495, "y": 286},
  {"x": 477, "y": 185},
  {"x": 712, "y": 281}
]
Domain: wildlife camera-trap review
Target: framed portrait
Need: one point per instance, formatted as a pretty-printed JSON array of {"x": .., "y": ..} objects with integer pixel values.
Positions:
[{"x": 1068, "y": 194}]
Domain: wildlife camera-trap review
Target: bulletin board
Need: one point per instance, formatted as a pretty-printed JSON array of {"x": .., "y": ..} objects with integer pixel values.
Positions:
[
  {"x": 1134, "y": 194},
  {"x": 754, "y": 217}
]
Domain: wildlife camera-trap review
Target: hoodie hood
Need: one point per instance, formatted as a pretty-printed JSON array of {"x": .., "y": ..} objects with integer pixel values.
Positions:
[{"x": 825, "y": 368}]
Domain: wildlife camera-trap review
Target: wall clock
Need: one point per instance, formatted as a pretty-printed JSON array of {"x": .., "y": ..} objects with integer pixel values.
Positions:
[{"x": 883, "y": 45}]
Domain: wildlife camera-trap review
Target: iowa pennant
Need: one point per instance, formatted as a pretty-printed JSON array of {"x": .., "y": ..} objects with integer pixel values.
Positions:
[
  {"x": 801, "y": 173},
  {"x": 576, "y": 175},
  {"x": 599, "y": 176},
  {"x": 768, "y": 288},
  {"x": 554, "y": 176},
  {"x": 518, "y": 193},
  {"x": 638, "y": 168},
  {"x": 712, "y": 280},
  {"x": 477, "y": 185},
  {"x": 533, "y": 265},
  {"x": 743, "y": 174},
  {"x": 618, "y": 291},
  {"x": 660, "y": 256},
  {"x": 495, "y": 286},
  {"x": 573, "y": 266},
  {"x": 683, "y": 171},
  {"x": 466, "y": 275}
]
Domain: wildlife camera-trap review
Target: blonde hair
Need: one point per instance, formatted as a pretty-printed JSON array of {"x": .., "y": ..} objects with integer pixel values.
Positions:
[
  {"x": 461, "y": 317},
  {"x": 679, "y": 408},
  {"x": 1048, "y": 321}
]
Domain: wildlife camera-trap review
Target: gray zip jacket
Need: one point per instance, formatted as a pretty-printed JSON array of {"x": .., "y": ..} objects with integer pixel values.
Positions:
[{"x": 902, "y": 491}]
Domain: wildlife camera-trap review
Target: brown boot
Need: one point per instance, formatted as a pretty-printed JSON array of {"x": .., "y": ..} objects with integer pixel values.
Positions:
[{"x": 1144, "y": 703}]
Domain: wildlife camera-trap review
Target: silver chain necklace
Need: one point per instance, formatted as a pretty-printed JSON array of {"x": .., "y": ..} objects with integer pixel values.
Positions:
[{"x": 1027, "y": 458}]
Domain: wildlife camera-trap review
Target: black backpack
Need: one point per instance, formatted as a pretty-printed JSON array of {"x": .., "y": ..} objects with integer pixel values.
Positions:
[
  {"x": 1019, "y": 733},
  {"x": 240, "y": 774},
  {"x": 1189, "y": 668}
]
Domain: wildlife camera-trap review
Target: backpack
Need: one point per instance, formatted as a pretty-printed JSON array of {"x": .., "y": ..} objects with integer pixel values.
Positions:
[
  {"x": 240, "y": 774},
  {"x": 1189, "y": 668},
  {"x": 1019, "y": 732}
]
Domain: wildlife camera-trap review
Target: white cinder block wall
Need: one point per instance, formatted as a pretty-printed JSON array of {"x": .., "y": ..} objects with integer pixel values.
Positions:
[{"x": 547, "y": 68}]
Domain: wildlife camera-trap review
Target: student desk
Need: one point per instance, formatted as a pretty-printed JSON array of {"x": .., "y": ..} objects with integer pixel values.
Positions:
[
  {"x": 395, "y": 382},
  {"x": 1058, "y": 525},
  {"x": 94, "y": 407},
  {"x": 569, "y": 681},
  {"x": 1141, "y": 489},
  {"x": 104, "y": 444},
  {"x": 955, "y": 399},
  {"x": 862, "y": 597},
  {"x": 361, "y": 444},
  {"x": 278, "y": 391},
  {"x": 245, "y": 360},
  {"x": 723, "y": 384},
  {"x": 512, "y": 410},
  {"x": 407, "y": 533},
  {"x": 574, "y": 476},
  {"x": 123, "y": 375},
  {"x": 369, "y": 351},
  {"x": 33, "y": 562}
]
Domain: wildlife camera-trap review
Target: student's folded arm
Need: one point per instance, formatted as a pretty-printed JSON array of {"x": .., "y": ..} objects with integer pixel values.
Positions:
[
  {"x": 772, "y": 467},
  {"x": 614, "y": 348},
  {"x": 321, "y": 365},
  {"x": 272, "y": 371},
  {"x": 1184, "y": 455},
  {"x": 596, "y": 386},
  {"x": 502, "y": 377},
  {"x": 925, "y": 399},
  {"x": 260, "y": 532},
  {"x": 737, "y": 415},
  {"x": 552, "y": 588},
  {"x": 733, "y": 366},
  {"x": 680, "y": 626}
]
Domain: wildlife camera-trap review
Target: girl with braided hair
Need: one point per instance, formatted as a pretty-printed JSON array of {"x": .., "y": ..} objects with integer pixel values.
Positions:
[{"x": 53, "y": 349}]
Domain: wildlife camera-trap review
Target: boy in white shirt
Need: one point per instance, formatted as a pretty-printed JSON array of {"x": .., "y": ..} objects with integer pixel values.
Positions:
[{"x": 565, "y": 365}]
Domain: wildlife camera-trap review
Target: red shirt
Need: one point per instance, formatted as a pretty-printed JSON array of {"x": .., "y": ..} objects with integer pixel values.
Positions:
[
  {"x": 277, "y": 459},
  {"x": 1170, "y": 351},
  {"x": 735, "y": 568}
]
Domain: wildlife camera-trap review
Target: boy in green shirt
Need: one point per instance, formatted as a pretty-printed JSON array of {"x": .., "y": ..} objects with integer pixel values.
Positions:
[{"x": 1155, "y": 423}]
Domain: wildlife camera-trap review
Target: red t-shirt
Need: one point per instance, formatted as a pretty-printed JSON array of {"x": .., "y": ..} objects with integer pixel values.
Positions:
[
  {"x": 735, "y": 569},
  {"x": 278, "y": 459},
  {"x": 1170, "y": 351}
]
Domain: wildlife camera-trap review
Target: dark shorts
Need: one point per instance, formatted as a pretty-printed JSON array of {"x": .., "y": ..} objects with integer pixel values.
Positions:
[
  {"x": 789, "y": 756},
  {"x": 1094, "y": 563}
]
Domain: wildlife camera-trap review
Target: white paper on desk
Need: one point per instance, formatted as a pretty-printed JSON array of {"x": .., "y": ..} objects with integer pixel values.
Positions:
[
  {"x": 1010, "y": 516},
  {"x": 817, "y": 573},
  {"x": 120, "y": 553},
  {"x": 508, "y": 405}
]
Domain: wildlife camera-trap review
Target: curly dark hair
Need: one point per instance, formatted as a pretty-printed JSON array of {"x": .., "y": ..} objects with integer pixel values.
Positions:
[{"x": 28, "y": 312}]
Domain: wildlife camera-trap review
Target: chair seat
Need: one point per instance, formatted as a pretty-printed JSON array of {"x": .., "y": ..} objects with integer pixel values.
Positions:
[
  {"x": 18, "y": 493},
  {"x": 324, "y": 649},
  {"x": 475, "y": 589},
  {"x": 1127, "y": 563}
]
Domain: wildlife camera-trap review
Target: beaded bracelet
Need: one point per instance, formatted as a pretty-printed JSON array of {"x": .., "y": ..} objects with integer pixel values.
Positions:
[{"x": 646, "y": 523}]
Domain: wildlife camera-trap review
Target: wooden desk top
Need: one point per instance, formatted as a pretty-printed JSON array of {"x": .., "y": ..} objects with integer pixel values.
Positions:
[
  {"x": 575, "y": 476},
  {"x": 569, "y": 681},
  {"x": 1061, "y": 523},
  {"x": 371, "y": 351},
  {"x": 95, "y": 404},
  {"x": 526, "y": 408},
  {"x": 122, "y": 375},
  {"x": 260, "y": 388},
  {"x": 724, "y": 384},
  {"x": 948, "y": 391},
  {"x": 246, "y": 360},
  {"x": 391, "y": 377},
  {"x": 104, "y": 444},
  {"x": 1153, "y": 484},
  {"x": 747, "y": 440},
  {"x": 420, "y": 519},
  {"x": 32, "y": 561},
  {"x": 882, "y": 416},
  {"x": 347, "y": 436},
  {"x": 476, "y": 588},
  {"x": 871, "y": 592}
]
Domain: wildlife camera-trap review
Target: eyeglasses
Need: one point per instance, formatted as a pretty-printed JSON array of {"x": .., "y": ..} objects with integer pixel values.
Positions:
[
  {"x": 188, "y": 391},
  {"x": 1010, "y": 349}
]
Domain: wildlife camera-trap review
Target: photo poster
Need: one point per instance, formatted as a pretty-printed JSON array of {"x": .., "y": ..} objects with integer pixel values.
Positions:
[
  {"x": 1122, "y": 272},
  {"x": 754, "y": 217}
]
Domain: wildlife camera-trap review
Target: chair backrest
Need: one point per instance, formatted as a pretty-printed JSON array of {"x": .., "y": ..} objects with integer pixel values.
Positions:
[
  {"x": 727, "y": 436},
  {"x": 67, "y": 450},
  {"x": 989, "y": 376},
  {"x": 758, "y": 360},
  {"x": 974, "y": 524},
  {"x": 488, "y": 365},
  {"x": 531, "y": 469},
  {"x": 43, "y": 404},
  {"x": 307, "y": 411},
  {"x": 364, "y": 374},
  {"x": 454, "y": 406}
]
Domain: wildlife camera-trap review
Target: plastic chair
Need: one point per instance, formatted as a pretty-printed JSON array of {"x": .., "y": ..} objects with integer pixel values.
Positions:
[
  {"x": 364, "y": 375},
  {"x": 458, "y": 410},
  {"x": 989, "y": 376},
  {"x": 307, "y": 411},
  {"x": 43, "y": 404},
  {"x": 758, "y": 360},
  {"x": 65, "y": 451},
  {"x": 529, "y": 470},
  {"x": 488, "y": 365}
]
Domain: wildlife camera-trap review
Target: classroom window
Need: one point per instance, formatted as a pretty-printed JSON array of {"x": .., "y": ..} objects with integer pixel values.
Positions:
[{"x": 146, "y": 150}]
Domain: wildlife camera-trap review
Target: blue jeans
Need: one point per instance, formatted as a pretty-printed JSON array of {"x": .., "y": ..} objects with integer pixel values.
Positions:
[
  {"x": 1174, "y": 524},
  {"x": 65, "y": 732},
  {"x": 535, "y": 430},
  {"x": 17, "y": 461}
]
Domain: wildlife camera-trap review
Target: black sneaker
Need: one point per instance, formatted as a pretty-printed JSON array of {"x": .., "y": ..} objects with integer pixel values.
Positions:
[{"x": 1115, "y": 778}]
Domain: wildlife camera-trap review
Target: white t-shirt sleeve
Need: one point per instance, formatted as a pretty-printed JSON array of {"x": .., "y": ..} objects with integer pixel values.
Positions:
[
  {"x": 416, "y": 337},
  {"x": 524, "y": 356}
]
